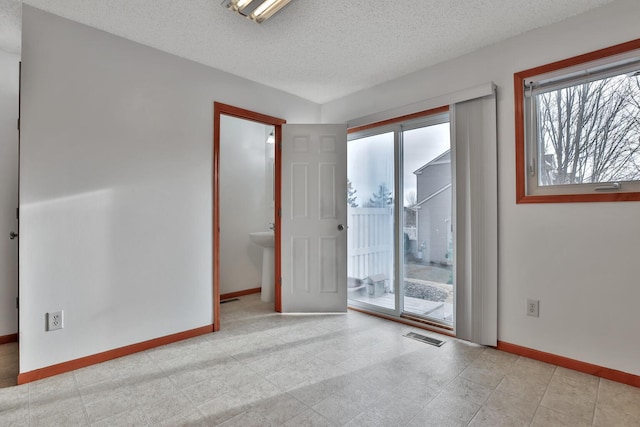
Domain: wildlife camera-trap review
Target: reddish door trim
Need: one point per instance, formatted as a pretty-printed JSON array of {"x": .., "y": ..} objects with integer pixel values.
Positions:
[
  {"x": 229, "y": 110},
  {"x": 406, "y": 117}
]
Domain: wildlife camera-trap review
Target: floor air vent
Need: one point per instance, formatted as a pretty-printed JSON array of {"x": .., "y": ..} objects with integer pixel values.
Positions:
[
  {"x": 229, "y": 300},
  {"x": 424, "y": 339}
]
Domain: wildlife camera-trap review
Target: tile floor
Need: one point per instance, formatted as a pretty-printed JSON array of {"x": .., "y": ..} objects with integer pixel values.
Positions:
[
  {"x": 8, "y": 364},
  {"x": 265, "y": 369}
]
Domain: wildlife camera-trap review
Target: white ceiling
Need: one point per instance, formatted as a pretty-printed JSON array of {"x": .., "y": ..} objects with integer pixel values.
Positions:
[{"x": 317, "y": 49}]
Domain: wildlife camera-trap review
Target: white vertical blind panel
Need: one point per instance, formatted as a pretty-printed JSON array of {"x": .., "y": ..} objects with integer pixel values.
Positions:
[{"x": 473, "y": 125}]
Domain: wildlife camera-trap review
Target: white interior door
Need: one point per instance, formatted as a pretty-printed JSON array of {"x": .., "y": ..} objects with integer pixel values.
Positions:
[{"x": 314, "y": 215}]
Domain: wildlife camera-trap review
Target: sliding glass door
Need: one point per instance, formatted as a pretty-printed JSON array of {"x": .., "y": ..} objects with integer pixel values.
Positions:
[
  {"x": 428, "y": 241},
  {"x": 400, "y": 248}
]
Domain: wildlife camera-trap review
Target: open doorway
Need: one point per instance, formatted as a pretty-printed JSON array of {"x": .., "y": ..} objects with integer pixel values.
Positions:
[
  {"x": 229, "y": 116},
  {"x": 9, "y": 201}
]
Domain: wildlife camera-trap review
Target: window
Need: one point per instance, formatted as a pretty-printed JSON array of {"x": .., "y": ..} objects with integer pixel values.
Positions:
[{"x": 578, "y": 128}]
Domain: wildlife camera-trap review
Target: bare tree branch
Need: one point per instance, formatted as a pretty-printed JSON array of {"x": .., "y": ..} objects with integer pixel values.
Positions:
[{"x": 590, "y": 132}]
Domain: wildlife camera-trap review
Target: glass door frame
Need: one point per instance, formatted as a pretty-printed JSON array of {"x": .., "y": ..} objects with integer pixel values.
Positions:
[
  {"x": 398, "y": 127},
  {"x": 354, "y": 136}
]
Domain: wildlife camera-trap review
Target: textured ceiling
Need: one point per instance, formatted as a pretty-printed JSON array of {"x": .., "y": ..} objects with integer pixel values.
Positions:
[{"x": 317, "y": 49}]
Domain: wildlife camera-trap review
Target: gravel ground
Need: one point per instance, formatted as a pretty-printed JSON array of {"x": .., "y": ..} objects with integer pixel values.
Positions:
[
  {"x": 432, "y": 273},
  {"x": 426, "y": 292}
]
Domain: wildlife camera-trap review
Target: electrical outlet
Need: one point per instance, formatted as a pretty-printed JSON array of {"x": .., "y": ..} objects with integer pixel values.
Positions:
[
  {"x": 533, "y": 306},
  {"x": 54, "y": 320}
]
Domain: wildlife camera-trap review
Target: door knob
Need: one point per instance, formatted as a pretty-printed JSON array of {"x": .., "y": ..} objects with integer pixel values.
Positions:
[
  {"x": 340, "y": 227},
  {"x": 12, "y": 235}
]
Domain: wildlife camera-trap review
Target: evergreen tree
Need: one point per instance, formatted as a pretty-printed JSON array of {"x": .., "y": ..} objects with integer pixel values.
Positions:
[
  {"x": 351, "y": 195},
  {"x": 380, "y": 199}
]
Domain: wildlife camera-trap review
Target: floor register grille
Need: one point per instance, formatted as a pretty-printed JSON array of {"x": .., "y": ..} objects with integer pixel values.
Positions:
[{"x": 424, "y": 339}]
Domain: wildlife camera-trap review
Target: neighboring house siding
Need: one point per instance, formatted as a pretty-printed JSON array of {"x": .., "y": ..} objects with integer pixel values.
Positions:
[
  {"x": 433, "y": 176},
  {"x": 434, "y": 210},
  {"x": 434, "y": 223}
]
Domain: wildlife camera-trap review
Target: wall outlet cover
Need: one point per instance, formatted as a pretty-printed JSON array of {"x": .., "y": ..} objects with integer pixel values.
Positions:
[
  {"x": 533, "y": 307},
  {"x": 54, "y": 320}
]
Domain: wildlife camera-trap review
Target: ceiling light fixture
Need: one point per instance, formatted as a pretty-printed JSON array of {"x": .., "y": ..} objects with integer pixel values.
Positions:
[{"x": 256, "y": 10}]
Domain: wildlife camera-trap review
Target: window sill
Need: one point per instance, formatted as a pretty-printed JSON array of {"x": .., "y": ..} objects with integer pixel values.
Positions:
[{"x": 578, "y": 198}]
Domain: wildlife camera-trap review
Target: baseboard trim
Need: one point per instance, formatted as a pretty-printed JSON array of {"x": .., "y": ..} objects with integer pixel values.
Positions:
[
  {"x": 576, "y": 365},
  {"x": 6, "y": 339},
  {"x": 82, "y": 362},
  {"x": 240, "y": 293}
]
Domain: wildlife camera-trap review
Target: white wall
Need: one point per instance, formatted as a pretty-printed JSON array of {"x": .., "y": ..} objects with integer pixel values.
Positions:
[
  {"x": 8, "y": 192},
  {"x": 580, "y": 260},
  {"x": 244, "y": 207},
  {"x": 116, "y": 187}
]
